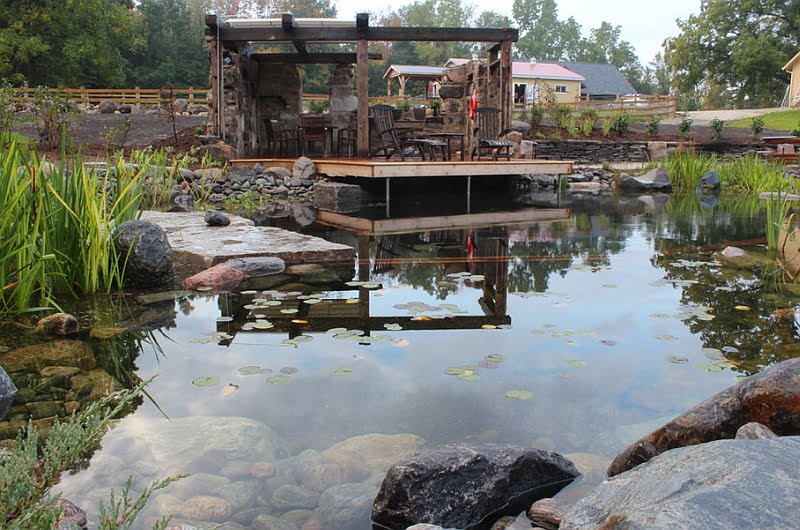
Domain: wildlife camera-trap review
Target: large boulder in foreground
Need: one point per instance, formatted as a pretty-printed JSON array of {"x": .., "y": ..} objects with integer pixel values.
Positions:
[
  {"x": 8, "y": 391},
  {"x": 148, "y": 253},
  {"x": 771, "y": 397},
  {"x": 459, "y": 485},
  {"x": 722, "y": 484},
  {"x": 654, "y": 180}
]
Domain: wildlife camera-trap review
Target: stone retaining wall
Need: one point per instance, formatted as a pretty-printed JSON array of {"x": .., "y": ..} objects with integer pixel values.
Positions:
[{"x": 591, "y": 152}]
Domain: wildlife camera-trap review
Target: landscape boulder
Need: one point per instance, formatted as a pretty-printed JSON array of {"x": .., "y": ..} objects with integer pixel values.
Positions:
[
  {"x": 337, "y": 197},
  {"x": 771, "y": 397},
  {"x": 217, "y": 278},
  {"x": 108, "y": 107},
  {"x": 721, "y": 484},
  {"x": 654, "y": 180},
  {"x": 145, "y": 247},
  {"x": 460, "y": 485},
  {"x": 58, "y": 324},
  {"x": 304, "y": 168},
  {"x": 179, "y": 106},
  {"x": 8, "y": 391},
  {"x": 739, "y": 258},
  {"x": 257, "y": 266},
  {"x": 216, "y": 218},
  {"x": 709, "y": 181}
]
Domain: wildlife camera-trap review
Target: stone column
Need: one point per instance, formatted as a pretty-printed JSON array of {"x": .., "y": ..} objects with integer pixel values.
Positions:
[{"x": 343, "y": 101}]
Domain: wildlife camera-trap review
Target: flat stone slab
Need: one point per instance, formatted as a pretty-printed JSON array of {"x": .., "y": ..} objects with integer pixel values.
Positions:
[{"x": 199, "y": 246}]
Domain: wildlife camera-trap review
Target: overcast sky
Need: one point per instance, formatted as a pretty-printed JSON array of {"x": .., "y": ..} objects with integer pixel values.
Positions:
[{"x": 644, "y": 24}]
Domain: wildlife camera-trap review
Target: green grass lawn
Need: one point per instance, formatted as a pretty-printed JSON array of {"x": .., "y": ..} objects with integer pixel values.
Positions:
[{"x": 785, "y": 120}]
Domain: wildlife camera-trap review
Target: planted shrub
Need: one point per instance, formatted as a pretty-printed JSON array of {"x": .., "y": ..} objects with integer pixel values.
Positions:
[
  {"x": 653, "y": 124},
  {"x": 606, "y": 125},
  {"x": 685, "y": 125},
  {"x": 52, "y": 110},
  {"x": 559, "y": 114},
  {"x": 536, "y": 115},
  {"x": 757, "y": 127},
  {"x": 587, "y": 125},
  {"x": 717, "y": 127},
  {"x": 622, "y": 123}
]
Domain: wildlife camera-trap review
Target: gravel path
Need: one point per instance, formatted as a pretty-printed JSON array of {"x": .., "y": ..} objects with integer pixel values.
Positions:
[{"x": 704, "y": 117}]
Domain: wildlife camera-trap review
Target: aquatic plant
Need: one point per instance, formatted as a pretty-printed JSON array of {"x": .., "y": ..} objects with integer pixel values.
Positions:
[
  {"x": 685, "y": 168},
  {"x": 56, "y": 221},
  {"x": 752, "y": 174},
  {"x": 777, "y": 209},
  {"x": 34, "y": 465}
]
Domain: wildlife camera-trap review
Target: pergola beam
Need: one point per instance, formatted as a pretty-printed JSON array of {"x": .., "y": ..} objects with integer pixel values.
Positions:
[{"x": 312, "y": 58}]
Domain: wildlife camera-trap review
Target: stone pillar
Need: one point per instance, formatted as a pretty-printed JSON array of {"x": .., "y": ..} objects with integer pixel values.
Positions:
[
  {"x": 278, "y": 96},
  {"x": 343, "y": 101}
]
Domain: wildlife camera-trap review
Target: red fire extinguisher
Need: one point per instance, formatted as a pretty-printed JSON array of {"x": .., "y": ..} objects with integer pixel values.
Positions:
[{"x": 470, "y": 247}]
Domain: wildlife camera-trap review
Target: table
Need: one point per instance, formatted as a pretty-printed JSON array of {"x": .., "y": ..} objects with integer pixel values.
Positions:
[{"x": 449, "y": 138}]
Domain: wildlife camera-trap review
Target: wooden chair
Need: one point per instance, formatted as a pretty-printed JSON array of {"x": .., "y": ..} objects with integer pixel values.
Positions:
[
  {"x": 488, "y": 135},
  {"x": 280, "y": 141},
  {"x": 314, "y": 129},
  {"x": 391, "y": 140}
]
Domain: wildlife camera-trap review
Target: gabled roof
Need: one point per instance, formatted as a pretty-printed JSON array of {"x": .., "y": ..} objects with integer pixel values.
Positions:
[
  {"x": 601, "y": 79},
  {"x": 455, "y": 62},
  {"x": 543, "y": 71},
  {"x": 414, "y": 70},
  {"x": 791, "y": 62}
]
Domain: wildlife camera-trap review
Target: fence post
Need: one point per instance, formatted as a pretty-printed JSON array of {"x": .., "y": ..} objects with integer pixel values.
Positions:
[
  {"x": 191, "y": 95},
  {"x": 84, "y": 97},
  {"x": 138, "y": 96}
]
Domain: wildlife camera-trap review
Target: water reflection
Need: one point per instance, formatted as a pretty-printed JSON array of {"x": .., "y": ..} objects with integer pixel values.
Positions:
[{"x": 585, "y": 310}]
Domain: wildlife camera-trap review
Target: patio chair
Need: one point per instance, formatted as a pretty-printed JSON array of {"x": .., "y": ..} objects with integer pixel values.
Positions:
[
  {"x": 280, "y": 141},
  {"x": 488, "y": 135},
  {"x": 391, "y": 141},
  {"x": 314, "y": 129}
]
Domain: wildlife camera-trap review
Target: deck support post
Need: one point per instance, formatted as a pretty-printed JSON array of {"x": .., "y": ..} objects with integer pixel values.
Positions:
[
  {"x": 469, "y": 194},
  {"x": 388, "y": 184},
  {"x": 362, "y": 95}
]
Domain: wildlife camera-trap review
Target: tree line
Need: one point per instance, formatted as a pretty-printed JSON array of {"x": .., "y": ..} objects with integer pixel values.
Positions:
[{"x": 729, "y": 54}]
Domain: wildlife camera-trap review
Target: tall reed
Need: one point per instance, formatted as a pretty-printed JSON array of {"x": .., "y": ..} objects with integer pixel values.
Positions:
[
  {"x": 56, "y": 222},
  {"x": 777, "y": 209},
  {"x": 685, "y": 168},
  {"x": 752, "y": 174}
]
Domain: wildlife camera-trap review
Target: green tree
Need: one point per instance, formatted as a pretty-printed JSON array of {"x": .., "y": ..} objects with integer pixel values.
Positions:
[
  {"x": 733, "y": 50},
  {"x": 542, "y": 35},
  {"x": 605, "y": 45},
  {"x": 170, "y": 46},
  {"x": 65, "y": 42}
]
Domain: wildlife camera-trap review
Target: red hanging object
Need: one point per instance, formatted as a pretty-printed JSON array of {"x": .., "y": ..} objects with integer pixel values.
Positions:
[
  {"x": 470, "y": 247},
  {"x": 473, "y": 104}
]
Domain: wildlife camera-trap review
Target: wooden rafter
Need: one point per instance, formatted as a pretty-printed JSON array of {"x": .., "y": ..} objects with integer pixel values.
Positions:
[{"x": 312, "y": 58}]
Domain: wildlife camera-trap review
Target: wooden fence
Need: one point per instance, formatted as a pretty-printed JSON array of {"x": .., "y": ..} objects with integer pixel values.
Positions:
[
  {"x": 136, "y": 95},
  {"x": 639, "y": 105}
]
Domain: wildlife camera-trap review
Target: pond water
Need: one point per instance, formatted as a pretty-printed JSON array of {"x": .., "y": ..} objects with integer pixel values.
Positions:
[{"x": 576, "y": 334}]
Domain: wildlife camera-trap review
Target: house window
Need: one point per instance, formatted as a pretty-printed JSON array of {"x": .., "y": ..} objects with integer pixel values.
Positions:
[
  {"x": 561, "y": 88},
  {"x": 519, "y": 92}
]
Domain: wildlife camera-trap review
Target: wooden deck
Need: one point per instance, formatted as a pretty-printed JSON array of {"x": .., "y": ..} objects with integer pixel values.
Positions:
[
  {"x": 377, "y": 168},
  {"x": 372, "y": 227}
]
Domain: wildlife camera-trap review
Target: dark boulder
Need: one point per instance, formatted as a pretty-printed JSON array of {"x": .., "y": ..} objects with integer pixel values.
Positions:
[
  {"x": 8, "y": 391},
  {"x": 149, "y": 257},
  {"x": 654, "y": 180},
  {"x": 771, "y": 397},
  {"x": 257, "y": 266},
  {"x": 460, "y": 485},
  {"x": 709, "y": 181},
  {"x": 216, "y": 218},
  {"x": 722, "y": 484}
]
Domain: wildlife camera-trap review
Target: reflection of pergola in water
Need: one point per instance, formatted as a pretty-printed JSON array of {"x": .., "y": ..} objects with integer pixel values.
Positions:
[{"x": 490, "y": 260}]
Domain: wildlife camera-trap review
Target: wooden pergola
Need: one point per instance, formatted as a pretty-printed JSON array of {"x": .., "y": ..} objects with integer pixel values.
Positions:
[{"x": 241, "y": 35}]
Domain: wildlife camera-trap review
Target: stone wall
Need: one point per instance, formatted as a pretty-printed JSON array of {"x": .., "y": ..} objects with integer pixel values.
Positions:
[
  {"x": 591, "y": 152},
  {"x": 343, "y": 101}
]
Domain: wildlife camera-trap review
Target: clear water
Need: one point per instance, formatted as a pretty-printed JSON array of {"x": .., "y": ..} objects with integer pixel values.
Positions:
[{"x": 588, "y": 314}]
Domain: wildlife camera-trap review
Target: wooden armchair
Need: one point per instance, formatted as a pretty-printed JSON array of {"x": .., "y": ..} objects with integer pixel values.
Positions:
[
  {"x": 392, "y": 141},
  {"x": 314, "y": 129},
  {"x": 280, "y": 141},
  {"x": 488, "y": 135}
]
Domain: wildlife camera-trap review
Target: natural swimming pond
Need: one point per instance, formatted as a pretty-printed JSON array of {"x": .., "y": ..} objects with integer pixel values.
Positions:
[{"x": 287, "y": 403}]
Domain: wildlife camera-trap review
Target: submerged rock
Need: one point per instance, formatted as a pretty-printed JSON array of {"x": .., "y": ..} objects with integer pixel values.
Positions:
[
  {"x": 771, "y": 397},
  {"x": 739, "y": 258},
  {"x": 460, "y": 485},
  {"x": 55, "y": 353},
  {"x": 377, "y": 452},
  {"x": 654, "y": 180},
  {"x": 218, "y": 278},
  {"x": 346, "y": 506},
  {"x": 58, "y": 324},
  {"x": 722, "y": 484}
]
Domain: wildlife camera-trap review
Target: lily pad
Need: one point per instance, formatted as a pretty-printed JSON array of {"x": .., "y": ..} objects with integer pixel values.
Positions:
[
  {"x": 393, "y": 327},
  {"x": 353, "y": 283},
  {"x": 713, "y": 354},
  {"x": 289, "y": 342},
  {"x": 495, "y": 357},
  {"x": 519, "y": 394},
  {"x": 288, "y": 311},
  {"x": 676, "y": 359},
  {"x": 476, "y": 278},
  {"x": 303, "y": 338},
  {"x": 263, "y": 324},
  {"x": 371, "y": 285},
  {"x": 504, "y": 326},
  {"x": 742, "y": 308},
  {"x": 488, "y": 326},
  {"x": 342, "y": 371},
  {"x": 203, "y": 288},
  {"x": 335, "y": 331},
  {"x": 272, "y": 303},
  {"x": 205, "y": 381},
  {"x": 279, "y": 379},
  {"x": 249, "y": 292},
  {"x": 312, "y": 301},
  {"x": 454, "y": 370},
  {"x": 224, "y": 319},
  {"x": 289, "y": 370},
  {"x": 469, "y": 377},
  {"x": 576, "y": 363},
  {"x": 666, "y": 337},
  {"x": 253, "y": 370},
  {"x": 710, "y": 367}
]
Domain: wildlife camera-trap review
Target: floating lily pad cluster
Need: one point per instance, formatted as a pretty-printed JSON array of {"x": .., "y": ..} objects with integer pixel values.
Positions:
[
  {"x": 466, "y": 276},
  {"x": 441, "y": 311},
  {"x": 356, "y": 335},
  {"x": 470, "y": 372},
  {"x": 212, "y": 336},
  {"x": 585, "y": 267},
  {"x": 689, "y": 264},
  {"x": 296, "y": 341},
  {"x": 546, "y": 294},
  {"x": 717, "y": 359},
  {"x": 686, "y": 312},
  {"x": 278, "y": 379}
]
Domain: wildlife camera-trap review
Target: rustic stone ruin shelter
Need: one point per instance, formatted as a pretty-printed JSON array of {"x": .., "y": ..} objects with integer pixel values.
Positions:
[{"x": 254, "y": 74}]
